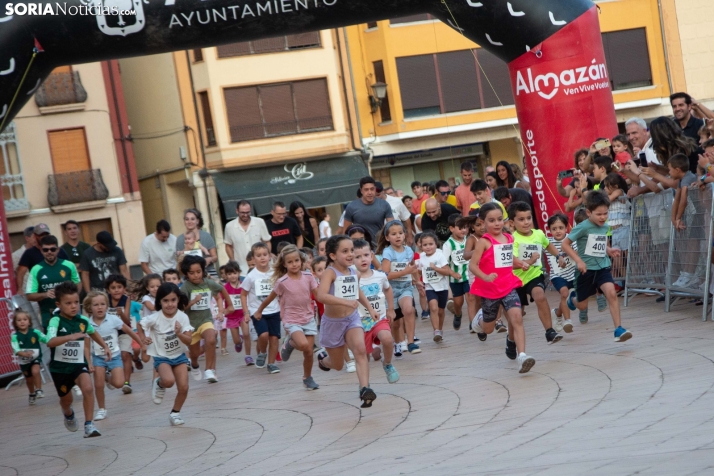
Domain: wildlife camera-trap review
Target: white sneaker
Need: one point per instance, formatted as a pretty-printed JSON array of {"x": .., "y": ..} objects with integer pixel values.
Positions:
[
  {"x": 557, "y": 321},
  {"x": 525, "y": 363},
  {"x": 101, "y": 414},
  {"x": 107, "y": 381},
  {"x": 682, "y": 280},
  {"x": 568, "y": 326},
  {"x": 175, "y": 419},
  {"x": 211, "y": 376},
  {"x": 475, "y": 327},
  {"x": 157, "y": 393},
  {"x": 77, "y": 392},
  {"x": 350, "y": 354},
  {"x": 692, "y": 281},
  {"x": 196, "y": 373},
  {"x": 350, "y": 367}
]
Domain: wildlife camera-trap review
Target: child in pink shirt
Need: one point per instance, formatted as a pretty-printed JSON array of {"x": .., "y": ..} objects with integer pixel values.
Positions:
[{"x": 236, "y": 319}]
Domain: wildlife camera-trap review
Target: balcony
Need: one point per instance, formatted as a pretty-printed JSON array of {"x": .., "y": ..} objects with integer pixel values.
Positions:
[
  {"x": 84, "y": 187},
  {"x": 61, "y": 92}
]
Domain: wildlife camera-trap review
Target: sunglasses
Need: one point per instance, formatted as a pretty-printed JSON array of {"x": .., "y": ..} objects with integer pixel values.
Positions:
[
  {"x": 444, "y": 193},
  {"x": 50, "y": 250}
]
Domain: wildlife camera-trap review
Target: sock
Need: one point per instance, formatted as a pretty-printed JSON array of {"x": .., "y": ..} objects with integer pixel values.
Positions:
[
  {"x": 87, "y": 422},
  {"x": 158, "y": 383},
  {"x": 33, "y": 394},
  {"x": 71, "y": 417},
  {"x": 174, "y": 411},
  {"x": 459, "y": 316}
]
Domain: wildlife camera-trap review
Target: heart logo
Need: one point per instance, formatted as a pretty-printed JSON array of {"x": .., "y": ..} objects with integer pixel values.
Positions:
[{"x": 545, "y": 80}]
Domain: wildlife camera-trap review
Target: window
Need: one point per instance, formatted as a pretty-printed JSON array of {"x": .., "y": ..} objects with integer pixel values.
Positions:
[
  {"x": 270, "y": 45},
  {"x": 69, "y": 150},
  {"x": 451, "y": 82},
  {"x": 384, "y": 111},
  {"x": 412, "y": 18},
  {"x": 627, "y": 58},
  {"x": 372, "y": 24},
  {"x": 207, "y": 118},
  {"x": 11, "y": 178},
  {"x": 197, "y": 55},
  {"x": 274, "y": 110}
]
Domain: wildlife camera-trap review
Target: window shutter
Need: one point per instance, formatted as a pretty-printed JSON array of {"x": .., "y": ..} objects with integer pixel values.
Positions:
[
  {"x": 312, "y": 105},
  {"x": 276, "y": 103},
  {"x": 372, "y": 24},
  {"x": 243, "y": 112},
  {"x": 234, "y": 49},
  {"x": 627, "y": 58},
  {"x": 268, "y": 45},
  {"x": 497, "y": 72},
  {"x": 197, "y": 55},
  {"x": 384, "y": 110},
  {"x": 459, "y": 83},
  {"x": 417, "y": 83},
  {"x": 69, "y": 151},
  {"x": 207, "y": 118},
  {"x": 303, "y": 40},
  {"x": 411, "y": 18}
]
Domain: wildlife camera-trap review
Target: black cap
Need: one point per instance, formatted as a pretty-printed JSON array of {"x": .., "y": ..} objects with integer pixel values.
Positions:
[
  {"x": 105, "y": 238},
  {"x": 378, "y": 185}
]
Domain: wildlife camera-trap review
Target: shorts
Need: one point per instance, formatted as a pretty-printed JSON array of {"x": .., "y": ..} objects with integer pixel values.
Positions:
[
  {"x": 459, "y": 289},
  {"x": 65, "y": 382},
  {"x": 588, "y": 284},
  {"x": 398, "y": 314},
  {"x": 440, "y": 296},
  {"x": 180, "y": 360},
  {"x": 114, "y": 363},
  {"x": 333, "y": 330},
  {"x": 370, "y": 336},
  {"x": 400, "y": 290},
  {"x": 135, "y": 345},
  {"x": 269, "y": 323},
  {"x": 560, "y": 283},
  {"x": 234, "y": 322},
  {"x": 490, "y": 307},
  {"x": 198, "y": 333},
  {"x": 621, "y": 238},
  {"x": 527, "y": 289},
  {"x": 125, "y": 343},
  {"x": 27, "y": 368},
  {"x": 309, "y": 329},
  {"x": 219, "y": 325}
]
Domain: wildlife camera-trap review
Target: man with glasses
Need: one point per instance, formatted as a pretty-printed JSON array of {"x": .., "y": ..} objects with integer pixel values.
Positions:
[
  {"x": 44, "y": 276},
  {"x": 240, "y": 234},
  {"x": 442, "y": 195},
  {"x": 283, "y": 228},
  {"x": 33, "y": 256}
]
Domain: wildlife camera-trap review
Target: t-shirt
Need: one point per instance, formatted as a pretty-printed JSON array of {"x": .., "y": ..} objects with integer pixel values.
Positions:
[
  {"x": 295, "y": 298},
  {"x": 440, "y": 226},
  {"x": 524, "y": 247},
  {"x": 567, "y": 273},
  {"x": 101, "y": 265},
  {"x": 398, "y": 261},
  {"x": 66, "y": 358},
  {"x": 416, "y": 204},
  {"x": 145, "y": 311},
  {"x": 200, "y": 313},
  {"x": 688, "y": 179},
  {"x": 206, "y": 240},
  {"x": 259, "y": 285},
  {"x": 399, "y": 210},
  {"x": 325, "y": 230},
  {"x": 370, "y": 216},
  {"x": 33, "y": 256},
  {"x": 433, "y": 280},
  {"x": 109, "y": 330},
  {"x": 288, "y": 230},
  {"x": 450, "y": 199},
  {"x": 464, "y": 197},
  {"x": 162, "y": 331},
  {"x": 75, "y": 252},
  {"x": 592, "y": 244},
  {"x": 44, "y": 277},
  {"x": 454, "y": 252},
  {"x": 373, "y": 288},
  {"x": 159, "y": 255},
  {"x": 29, "y": 341}
]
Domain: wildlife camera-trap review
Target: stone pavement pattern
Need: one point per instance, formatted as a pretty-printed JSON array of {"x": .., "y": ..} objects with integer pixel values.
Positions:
[{"x": 589, "y": 406}]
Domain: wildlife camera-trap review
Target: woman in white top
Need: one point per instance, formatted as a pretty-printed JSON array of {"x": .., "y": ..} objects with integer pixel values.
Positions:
[{"x": 325, "y": 230}]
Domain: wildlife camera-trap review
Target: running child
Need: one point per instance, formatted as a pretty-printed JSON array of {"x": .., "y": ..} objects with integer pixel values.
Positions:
[
  {"x": 618, "y": 219},
  {"x": 318, "y": 267},
  {"x": 341, "y": 324},
  {"x": 108, "y": 366},
  {"x": 454, "y": 252},
  {"x": 495, "y": 283},
  {"x": 293, "y": 288},
  {"x": 561, "y": 278},
  {"x": 25, "y": 342},
  {"x": 146, "y": 294},
  {"x": 378, "y": 339},
  {"x": 593, "y": 262},
  {"x": 236, "y": 320},
  {"x": 200, "y": 289},
  {"x": 68, "y": 334},
  {"x": 528, "y": 246},
  {"x": 167, "y": 332},
  {"x": 422, "y": 296},
  {"x": 256, "y": 287},
  {"x": 435, "y": 271},
  {"x": 172, "y": 275},
  {"x": 120, "y": 306}
]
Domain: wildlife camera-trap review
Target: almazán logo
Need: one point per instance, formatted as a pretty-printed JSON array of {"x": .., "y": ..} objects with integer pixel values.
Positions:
[{"x": 547, "y": 85}]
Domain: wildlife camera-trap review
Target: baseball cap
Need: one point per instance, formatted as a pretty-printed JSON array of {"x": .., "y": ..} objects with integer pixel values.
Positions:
[
  {"x": 105, "y": 238},
  {"x": 40, "y": 229}
]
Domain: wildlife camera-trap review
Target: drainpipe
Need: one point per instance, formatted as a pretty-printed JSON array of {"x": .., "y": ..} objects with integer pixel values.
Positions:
[
  {"x": 664, "y": 45},
  {"x": 122, "y": 136}
]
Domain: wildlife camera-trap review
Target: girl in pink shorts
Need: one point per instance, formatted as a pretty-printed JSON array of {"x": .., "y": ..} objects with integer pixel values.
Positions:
[{"x": 236, "y": 320}]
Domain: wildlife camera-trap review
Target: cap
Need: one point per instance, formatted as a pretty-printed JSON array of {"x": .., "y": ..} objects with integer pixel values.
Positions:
[
  {"x": 378, "y": 185},
  {"x": 105, "y": 238},
  {"x": 40, "y": 229}
]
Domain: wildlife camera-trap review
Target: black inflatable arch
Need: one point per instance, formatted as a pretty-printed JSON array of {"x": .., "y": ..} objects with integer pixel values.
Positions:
[{"x": 77, "y": 31}]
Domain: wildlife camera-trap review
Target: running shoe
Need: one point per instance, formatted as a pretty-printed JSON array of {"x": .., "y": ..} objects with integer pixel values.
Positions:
[
  {"x": 367, "y": 396},
  {"x": 239, "y": 346},
  {"x": 210, "y": 375},
  {"x": 157, "y": 393},
  {"x": 350, "y": 367},
  {"x": 568, "y": 326},
  {"x": 70, "y": 422},
  {"x": 511, "y": 351},
  {"x": 525, "y": 363},
  {"x": 101, "y": 414},
  {"x": 457, "y": 323},
  {"x": 398, "y": 351},
  {"x": 90, "y": 431},
  {"x": 413, "y": 348},
  {"x": 571, "y": 300},
  {"x": 450, "y": 306},
  {"x": 286, "y": 349},
  {"x": 175, "y": 419},
  {"x": 196, "y": 373},
  {"x": 77, "y": 391},
  {"x": 392, "y": 374},
  {"x": 32, "y": 399},
  {"x": 249, "y": 360},
  {"x": 126, "y": 388},
  {"x": 224, "y": 351},
  {"x": 416, "y": 340},
  {"x": 437, "y": 336},
  {"x": 601, "y": 303},
  {"x": 40, "y": 393},
  {"x": 138, "y": 364},
  {"x": 557, "y": 320},
  {"x": 622, "y": 334},
  {"x": 501, "y": 327},
  {"x": 260, "y": 362},
  {"x": 273, "y": 369},
  {"x": 471, "y": 329},
  {"x": 482, "y": 336},
  {"x": 425, "y": 315},
  {"x": 322, "y": 355},
  {"x": 108, "y": 381},
  {"x": 552, "y": 337},
  {"x": 310, "y": 383},
  {"x": 583, "y": 316}
]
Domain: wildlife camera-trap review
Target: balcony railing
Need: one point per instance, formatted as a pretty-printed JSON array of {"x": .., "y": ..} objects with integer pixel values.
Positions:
[
  {"x": 277, "y": 129},
  {"x": 76, "y": 187},
  {"x": 59, "y": 89}
]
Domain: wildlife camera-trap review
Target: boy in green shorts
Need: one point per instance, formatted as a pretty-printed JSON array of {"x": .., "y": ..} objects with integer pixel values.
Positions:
[
  {"x": 453, "y": 249},
  {"x": 68, "y": 336}
]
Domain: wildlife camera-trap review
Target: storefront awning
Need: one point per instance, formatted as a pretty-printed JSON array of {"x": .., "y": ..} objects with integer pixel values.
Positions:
[{"x": 315, "y": 183}]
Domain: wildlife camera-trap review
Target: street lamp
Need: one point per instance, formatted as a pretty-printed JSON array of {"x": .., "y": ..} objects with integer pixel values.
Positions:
[{"x": 379, "y": 92}]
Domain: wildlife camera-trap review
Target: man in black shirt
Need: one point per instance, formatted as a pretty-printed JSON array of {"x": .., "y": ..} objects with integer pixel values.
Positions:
[
  {"x": 436, "y": 218},
  {"x": 100, "y": 261},
  {"x": 682, "y": 110},
  {"x": 282, "y": 228}
]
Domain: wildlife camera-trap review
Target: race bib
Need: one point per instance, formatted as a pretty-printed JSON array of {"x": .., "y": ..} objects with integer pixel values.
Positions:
[
  {"x": 397, "y": 267},
  {"x": 235, "y": 300},
  {"x": 527, "y": 250},
  {"x": 264, "y": 287},
  {"x": 503, "y": 255},
  {"x": 168, "y": 345},
  {"x": 111, "y": 342},
  {"x": 377, "y": 302},
  {"x": 27, "y": 360},
  {"x": 204, "y": 303},
  {"x": 71, "y": 352},
  {"x": 596, "y": 246},
  {"x": 346, "y": 287},
  {"x": 429, "y": 275},
  {"x": 193, "y": 253},
  {"x": 457, "y": 257},
  {"x": 112, "y": 311}
]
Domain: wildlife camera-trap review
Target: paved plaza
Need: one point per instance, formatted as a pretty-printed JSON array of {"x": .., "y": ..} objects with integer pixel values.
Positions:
[{"x": 589, "y": 407}]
